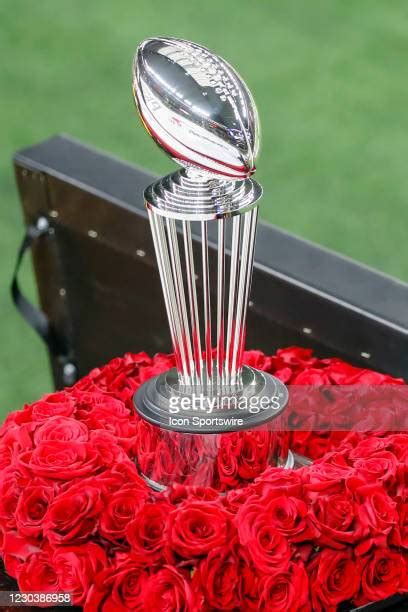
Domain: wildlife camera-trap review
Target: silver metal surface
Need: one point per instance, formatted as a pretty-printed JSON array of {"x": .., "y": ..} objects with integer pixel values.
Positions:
[
  {"x": 196, "y": 107},
  {"x": 201, "y": 113},
  {"x": 231, "y": 325},
  {"x": 192, "y": 295},
  {"x": 179, "y": 289},
  {"x": 190, "y": 196},
  {"x": 220, "y": 301},
  {"x": 173, "y": 314},
  {"x": 244, "y": 269},
  {"x": 248, "y": 278},
  {"x": 207, "y": 301}
]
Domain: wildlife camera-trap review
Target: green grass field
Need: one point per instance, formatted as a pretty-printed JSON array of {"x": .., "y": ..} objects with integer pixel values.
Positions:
[{"x": 331, "y": 85}]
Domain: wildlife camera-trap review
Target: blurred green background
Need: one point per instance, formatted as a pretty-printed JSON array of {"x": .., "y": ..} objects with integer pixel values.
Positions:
[{"x": 331, "y": 85}]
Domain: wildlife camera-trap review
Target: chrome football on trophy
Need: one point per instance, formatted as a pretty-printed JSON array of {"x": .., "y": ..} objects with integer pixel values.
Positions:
[{"x": 201, "y": 113}]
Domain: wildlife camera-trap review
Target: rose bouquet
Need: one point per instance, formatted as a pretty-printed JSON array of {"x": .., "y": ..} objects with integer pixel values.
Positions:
[{"x": 75, "y": 515}]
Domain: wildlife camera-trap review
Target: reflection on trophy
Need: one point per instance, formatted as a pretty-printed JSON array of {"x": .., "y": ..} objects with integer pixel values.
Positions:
[{"x": 201, "y": 113}]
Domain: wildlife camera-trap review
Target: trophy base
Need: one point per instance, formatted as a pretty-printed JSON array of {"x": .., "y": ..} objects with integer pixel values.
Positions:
[{"x": 222, "y": 439}]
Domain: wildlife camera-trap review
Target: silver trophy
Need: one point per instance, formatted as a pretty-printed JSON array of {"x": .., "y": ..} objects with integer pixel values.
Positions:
[{"x": 201, "y": 113}]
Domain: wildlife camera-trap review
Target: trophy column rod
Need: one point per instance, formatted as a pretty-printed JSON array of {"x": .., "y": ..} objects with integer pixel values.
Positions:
[
  {"x": 245, "y": 272},
  {"x": 220, "y": 300},
  {"x": 207, "y": 302},
  {"x": 192, "y": 294}
]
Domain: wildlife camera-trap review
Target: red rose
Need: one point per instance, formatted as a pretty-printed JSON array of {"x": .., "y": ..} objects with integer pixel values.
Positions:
[
  {"x": 257, "y": 359},
  {"x": 249, "y": 582},
  {"x": 32, "y": 506},
  {"x": 398, "y": 445},
  {"x": 311, "y": 376},
  {"x": 284, "y": 374},
  {"x": 119, "y": 475},
  {"x": 125, "y": 374},
  {"x": 235, "y": 498},
  {"x": 73, "y": 515},
  {"x": 196, "y": 527},
  {"x": 16, "y": 550},
  {"x": 366, "y": 447},
  {"x": 285, "y": 590},
  {"x": 267, "y": 548},
  {"x": 169, "y": 590},
  {"x": 217, "y": 578},
  {"x": 61, "y": 429},
  {"x": 294, "y": 356},
  {"x": 378, "y": 511},
  {"x": 120, "y": 511},
  {"x": 149, "y": 371},
  {"x": 401, "y": 481},
  {"x": 107, "y": 447},
  {"x": 334, "y": 577},
  {"x": 378, "y": 467},
  {"x": 342, "y": 373},
  {"x": 12, "y": 483},
  {"x": 399, "y": 536},
  {"x": 102, "y": 411},
  {"x": 120, "y": 375},
  {"x": 177, "y": 493},
  {"x": 327, "y": 478},
  {"x": 145, "y": 532},
  {"x": 15, "y": 439},
  {"x": 11, "y": 420},
  {"x": 6, "y": 455},
  {"x": 290, "y": 516},
  {"x": 369, "y": 377},
  {"x": 336, "y": 518},
  {"x": 164, "y": 361},
  {"x": 279, "y": 481},
  {"x": 19, "y": 417},
  {"x": 38, "y": 574},
  {"x": 119, "y": 588},
  {"x": 383, "y": 575},
  {"x": 60, "y": 403},
  {"x": 76, "y": 568},
  {"x": 61, "y": 460}
]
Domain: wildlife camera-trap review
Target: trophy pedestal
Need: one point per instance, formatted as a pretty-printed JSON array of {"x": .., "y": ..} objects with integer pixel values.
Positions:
[{"x": 219, "y": 437}]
